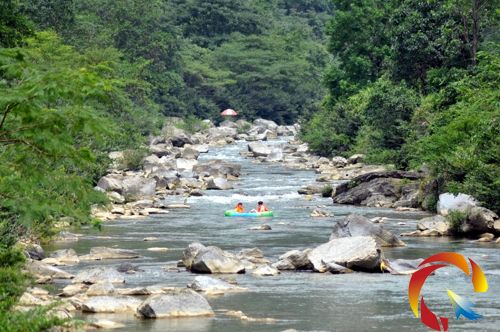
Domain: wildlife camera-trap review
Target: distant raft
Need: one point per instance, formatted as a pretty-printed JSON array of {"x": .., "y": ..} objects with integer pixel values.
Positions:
[{"x": 232, "y": 213}]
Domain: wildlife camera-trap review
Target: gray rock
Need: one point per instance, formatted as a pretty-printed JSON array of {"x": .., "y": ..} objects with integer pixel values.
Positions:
[
  {"x": 190, "y": 253},
  {"x": 190, "y": 153},
  {"x": 111, "y": 182},
  {"x": 264, "y": 227},
  {"x": 136, "y": 187},
  {"x": 98, "y": 253},
  {"x": 294, "y": 260},
  {"x": 479, "y": 220},
  {"x": 450, "y": 202},
  {"x": 99, "y": 275},
  {"x": 105, "y": 288},
  {"x": 268, "y": 124},
  {"x": 111, "y": 304},
  {"x": 115, "y": 197},
  {"x": 217, "y": 168},
  {"x": 402, "y": 266},
  {"x": 436, "y": 223},
  {"x": 357, "y": 225},
  {"x": 339, "y": 161},
  {"x": 265, "y": 271},
  {"x": 356, "y": 253},
  {"x": 41, "y": 269},
  {"x": 180, "y": 139},
  {"x": 379, "y": 192},
  {"x": 35, "y": 251},
  {"x": 128, "y": 268},
  {"x": 72, "y": 290},
  {"x": 213, "y": 286},
  {"x": 176, "y": 303},
  {"x": 219, "y": 184},
  {"x": 185, "y": 164},
  {"x": 68, "y": 256},
  {"x": 221, "y": 132},
  {"x": 215, "y": 260},
  {"x": 259, "y": 149},
  {"x": 336, "y": 268},
  {"x": 276, "y": 155},
  {"x": 355, "y": 159}
]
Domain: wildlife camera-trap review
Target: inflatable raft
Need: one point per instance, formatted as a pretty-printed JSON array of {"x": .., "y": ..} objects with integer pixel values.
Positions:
[{"x": 232, "y": 213}]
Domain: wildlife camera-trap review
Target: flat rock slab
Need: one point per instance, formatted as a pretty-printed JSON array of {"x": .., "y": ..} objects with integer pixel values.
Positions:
[
  {"x": 213, "y": 286},
  {"x": 99, "y": 253},
  {"x": 99, "y": 275},
  {"x": 41, "y": 269},
  {"x": 111, "y": 304},
  {"x": 176, "y": 303}
]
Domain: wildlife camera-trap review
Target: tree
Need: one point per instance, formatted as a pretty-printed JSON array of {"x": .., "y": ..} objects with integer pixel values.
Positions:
[
  {"x": 51, "y": 14},
  {"x": 359, "y": 41},
  {"x": 14, "y": 25}
]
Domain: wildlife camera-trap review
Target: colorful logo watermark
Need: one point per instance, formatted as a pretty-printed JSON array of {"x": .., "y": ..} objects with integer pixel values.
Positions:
[{"x": 461, "y": 305}]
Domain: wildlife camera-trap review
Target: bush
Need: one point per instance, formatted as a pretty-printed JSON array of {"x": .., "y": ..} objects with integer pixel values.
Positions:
[
  {"x": 327, "y": 190},
  {"x": 132, "y": 159},
  {"x": 192, "y": 124},
  {"x": 456, "y": 220}
]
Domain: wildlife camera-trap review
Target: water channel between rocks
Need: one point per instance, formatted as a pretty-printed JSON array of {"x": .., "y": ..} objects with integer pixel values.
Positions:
[{"x": 304, "y": 301}]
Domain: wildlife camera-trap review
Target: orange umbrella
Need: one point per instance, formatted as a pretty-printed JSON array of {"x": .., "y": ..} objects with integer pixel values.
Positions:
[{"x": 229, "y": 112}]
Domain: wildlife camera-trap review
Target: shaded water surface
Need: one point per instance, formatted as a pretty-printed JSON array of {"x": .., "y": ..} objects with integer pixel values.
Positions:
[{"x": 301, "y": 300}]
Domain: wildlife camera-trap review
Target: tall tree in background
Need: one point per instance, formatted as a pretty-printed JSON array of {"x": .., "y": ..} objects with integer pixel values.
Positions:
[
  {"x": 51, "y": 14},
  {"x": 359, "y": 42},
  {"x": 14, "y": 25}
]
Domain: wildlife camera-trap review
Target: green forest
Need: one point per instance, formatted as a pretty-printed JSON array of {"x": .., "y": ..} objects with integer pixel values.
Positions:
[{"x": 409, "y": 83}]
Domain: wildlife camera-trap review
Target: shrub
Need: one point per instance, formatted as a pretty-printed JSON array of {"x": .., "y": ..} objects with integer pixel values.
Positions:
[
  {"x": 132, "y": 159},
  {"x": 192, "y": 124},
  {"x": 456, "y": 220},
  {"x": 327, "y": 190}
]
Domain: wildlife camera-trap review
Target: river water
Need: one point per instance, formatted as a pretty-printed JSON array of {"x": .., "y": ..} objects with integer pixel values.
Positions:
[{"x": 303, "y": 301}]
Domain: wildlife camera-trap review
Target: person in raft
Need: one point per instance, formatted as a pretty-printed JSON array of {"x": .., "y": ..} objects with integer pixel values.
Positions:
[
  {"x": 239, "y": 208},
  {"x": 261, "y": 207}
]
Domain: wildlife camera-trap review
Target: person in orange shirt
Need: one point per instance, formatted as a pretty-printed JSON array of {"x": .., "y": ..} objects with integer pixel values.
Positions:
[{"x": 239, "y": 208}]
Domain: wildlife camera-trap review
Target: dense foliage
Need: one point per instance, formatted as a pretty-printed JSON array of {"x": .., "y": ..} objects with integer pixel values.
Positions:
[{"x": 415, "y": 83}]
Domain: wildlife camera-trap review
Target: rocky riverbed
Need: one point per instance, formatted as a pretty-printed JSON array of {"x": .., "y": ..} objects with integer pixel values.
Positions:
[{"x": 166, "y": 251}]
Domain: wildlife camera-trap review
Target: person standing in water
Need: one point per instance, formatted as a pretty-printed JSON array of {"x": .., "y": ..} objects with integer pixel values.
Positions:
[{"x": 239, "y": 208}]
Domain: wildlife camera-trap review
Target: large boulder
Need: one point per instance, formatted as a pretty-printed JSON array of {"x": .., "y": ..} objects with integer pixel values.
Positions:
[
  {"x": 479, "y": 220},
  {"x": 175, "y": 303},
  {"x": 268, "y": 124},
  {"x": 379, "y": 192},
  {"x": 450, "y": 202},
  {"x": 217, "y": 133},
  {"x": 111, "y": 182},
  {"x": 41, "y": 269},
  {"x": 266, "y": 271},
  {"x": 294, "y": 260},
  {"x": 356, "y": 253},
  {"x": 190, "y": 253},
  {"x": 99, "y": 253},
  {"x": 215, "y": 260},
  {"x": 111, "y": 304},
  {"x": 276, "y": 155},
  {"x": 259, "y": 150},
  {"x": 217, "y": 168},
  {"x": 434, "y": 224},
  {"x": 219, "y": 184},
  {"x": 185, "y": 164},
  {"x": 99, "y": 275},
  {"x": 136, "y": 187},
  {"x": 65, "y": 256},
  {"x": 190, "y": 153},
  {"x": 213, "y": 286},
  {"x": 357, "y": 225}
]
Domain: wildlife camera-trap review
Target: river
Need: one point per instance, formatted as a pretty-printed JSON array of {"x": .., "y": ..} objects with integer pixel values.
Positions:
[{"x": 304, "y": 301}]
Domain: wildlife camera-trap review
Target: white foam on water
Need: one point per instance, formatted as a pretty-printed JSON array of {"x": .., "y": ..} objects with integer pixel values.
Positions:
[{"x": 243, "y": 198}]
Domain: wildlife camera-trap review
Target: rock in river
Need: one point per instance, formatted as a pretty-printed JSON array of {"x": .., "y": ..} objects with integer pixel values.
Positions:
[
  {"x": 175, "y": 303},
  {"x": 111, "y": 304},
  {"x": 219, "y": 184},
  {"x": 99, "y": 275},
  {"x": 213, "y": 286},
  {"x": 41, "y": 269},
  {"x": 357, "y": 225},
  {"x": 98, "y": 253},
  {"x": 215, "y": 260},
  {"x": 356, "y": 253}
]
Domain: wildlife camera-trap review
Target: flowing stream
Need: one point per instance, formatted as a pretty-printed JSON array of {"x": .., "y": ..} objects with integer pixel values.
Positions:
[{"x": 304, "y": 301}]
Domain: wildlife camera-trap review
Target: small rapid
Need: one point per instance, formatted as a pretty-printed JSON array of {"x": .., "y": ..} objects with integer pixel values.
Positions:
[{"x": 303, "y": 301}]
